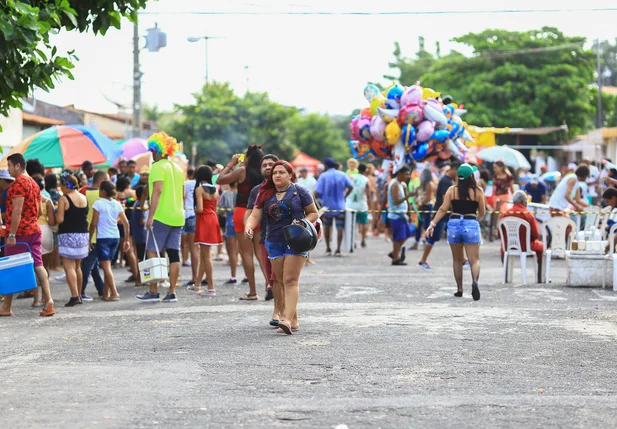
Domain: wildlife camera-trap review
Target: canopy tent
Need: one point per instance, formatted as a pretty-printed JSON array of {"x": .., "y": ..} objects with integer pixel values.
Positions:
[{"x": 303, "y": 160}]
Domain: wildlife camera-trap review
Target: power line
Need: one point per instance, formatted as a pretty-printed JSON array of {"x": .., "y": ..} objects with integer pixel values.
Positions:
[{"x": 376, "y": 13}]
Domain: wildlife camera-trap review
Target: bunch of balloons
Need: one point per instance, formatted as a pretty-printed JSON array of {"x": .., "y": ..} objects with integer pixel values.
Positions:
[{"x": 404, "y": 123}]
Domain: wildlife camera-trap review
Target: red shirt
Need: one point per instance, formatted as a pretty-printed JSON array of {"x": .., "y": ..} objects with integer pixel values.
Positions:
[
  {"x": 521, "y": 212},
  {"x": 24, "y": 187}
]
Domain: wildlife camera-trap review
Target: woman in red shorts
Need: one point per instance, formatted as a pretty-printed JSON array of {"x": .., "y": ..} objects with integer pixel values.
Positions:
[{"x": 245, "y": 169}]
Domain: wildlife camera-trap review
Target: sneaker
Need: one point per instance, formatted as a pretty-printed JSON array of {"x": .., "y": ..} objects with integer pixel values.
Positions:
[
  {"x": 170, "y": 297},
  {"x": 86, "y": 298},
  {"x": 61, "y": 278},
  {"x": 73, "y": 301},
  {"x": 148, "y": 297},
  {"x": 231, "y": 282},
  {"x": 425, "y": 266}
]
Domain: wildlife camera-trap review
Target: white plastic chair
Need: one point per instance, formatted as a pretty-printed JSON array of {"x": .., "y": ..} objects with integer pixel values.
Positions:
[
  {"x": 612, "y": 256},
  {"x": 510, "y": 227},
  {"x": 560, "y": 240}
]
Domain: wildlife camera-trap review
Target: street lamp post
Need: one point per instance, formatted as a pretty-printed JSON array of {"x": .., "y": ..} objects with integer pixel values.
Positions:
[{"x": 206, "y": 38}]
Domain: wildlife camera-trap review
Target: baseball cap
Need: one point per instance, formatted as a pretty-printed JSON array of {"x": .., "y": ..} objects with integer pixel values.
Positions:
[
  {"x": 4, "y": 174},
  {"x": 464, "y": 171},
  {"x": 330, "y": 163}
]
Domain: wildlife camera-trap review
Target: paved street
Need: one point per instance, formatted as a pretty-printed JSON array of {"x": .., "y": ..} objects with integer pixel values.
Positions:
[{"x": 378, "y": 346}]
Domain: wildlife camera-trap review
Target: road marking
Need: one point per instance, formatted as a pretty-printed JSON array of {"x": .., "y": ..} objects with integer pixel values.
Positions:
[
  {"x": 347, "y": 291},
  {"x": 603, "y": 297},
  {"x": 541, "y": 293}
]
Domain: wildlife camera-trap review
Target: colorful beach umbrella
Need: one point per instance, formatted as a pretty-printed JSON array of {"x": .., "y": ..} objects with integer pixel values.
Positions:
[{"x": 67, "y": 146}]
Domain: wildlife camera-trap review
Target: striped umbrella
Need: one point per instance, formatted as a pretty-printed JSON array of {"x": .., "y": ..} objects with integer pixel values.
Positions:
[{"x": 67, "y": 146}]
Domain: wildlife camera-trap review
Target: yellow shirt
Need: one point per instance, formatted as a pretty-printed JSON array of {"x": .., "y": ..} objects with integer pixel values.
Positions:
[{"x": 170, "y": 210}]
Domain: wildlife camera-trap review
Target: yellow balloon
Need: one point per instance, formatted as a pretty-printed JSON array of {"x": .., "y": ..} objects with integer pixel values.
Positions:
[
  {"x": 377, "y": 102},
  {"x": 393, "y": 133},
  {"x": 429, "y": 92}
]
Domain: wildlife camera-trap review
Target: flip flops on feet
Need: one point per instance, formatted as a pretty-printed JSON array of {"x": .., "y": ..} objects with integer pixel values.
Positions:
[
  {"x": 475, "y": 292},
  {"x": 286, "y": 328},
  {"x": 249, "y": 297}
]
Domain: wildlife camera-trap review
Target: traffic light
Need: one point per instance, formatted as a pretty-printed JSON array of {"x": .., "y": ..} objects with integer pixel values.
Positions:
[{"x": 155, "y": 39}]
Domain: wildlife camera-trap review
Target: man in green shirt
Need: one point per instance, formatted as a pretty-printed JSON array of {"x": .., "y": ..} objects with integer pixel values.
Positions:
[{"x": 166, "y": 214}]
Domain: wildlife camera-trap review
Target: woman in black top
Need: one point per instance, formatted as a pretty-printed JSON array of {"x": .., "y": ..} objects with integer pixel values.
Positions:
[
  {"x": 466, "y": 202},
  {"x": 73, "y": 237}
]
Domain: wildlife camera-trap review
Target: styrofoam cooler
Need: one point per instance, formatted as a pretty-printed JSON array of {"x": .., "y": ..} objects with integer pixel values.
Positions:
[
  {"x": 17, "y": 273},
  {"x": 154, "y": 269}
]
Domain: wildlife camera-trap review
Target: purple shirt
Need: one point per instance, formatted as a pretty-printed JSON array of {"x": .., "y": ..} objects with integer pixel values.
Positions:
[
  {"x": 280, "y": 214},
  {"x": 331, "y": 188}
]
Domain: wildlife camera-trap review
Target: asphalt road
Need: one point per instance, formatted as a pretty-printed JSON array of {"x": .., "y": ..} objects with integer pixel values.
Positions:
[{"x": 378, "y": 347}]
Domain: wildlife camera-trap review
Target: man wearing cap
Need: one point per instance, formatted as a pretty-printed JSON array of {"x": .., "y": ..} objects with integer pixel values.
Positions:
[
  {"x": 537, "y": 190},
  {"x": 333, "y": 187}
]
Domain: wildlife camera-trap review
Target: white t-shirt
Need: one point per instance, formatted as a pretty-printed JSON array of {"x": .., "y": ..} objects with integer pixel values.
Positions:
[
  {"x": 558, "y": 199},
  {"x": 356, "y": 200},
  {"x": 189, "y": 202},
  {"x": 310, "y": 183},
  {"x": 108, "y": 218}
]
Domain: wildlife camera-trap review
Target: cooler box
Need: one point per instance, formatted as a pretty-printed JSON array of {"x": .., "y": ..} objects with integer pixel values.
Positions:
[
  {"x": 153, "y": 270},
  {"x": 17, "y": 274}
]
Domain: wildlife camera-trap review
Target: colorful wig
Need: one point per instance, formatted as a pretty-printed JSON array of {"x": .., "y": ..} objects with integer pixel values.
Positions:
[{"x": 162, "y": 144}]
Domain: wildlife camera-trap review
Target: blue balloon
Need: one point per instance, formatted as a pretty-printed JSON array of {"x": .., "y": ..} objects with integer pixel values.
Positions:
[
  {"x": 395, "y": 93},
  {"x": 420, "y": 151},
  {"x": 408, "y": 135},
  {"x": 440, "y": 136}
]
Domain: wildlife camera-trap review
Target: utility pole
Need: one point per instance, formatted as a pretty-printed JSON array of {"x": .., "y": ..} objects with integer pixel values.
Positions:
[
  {"x": 599, "y": 73},
  {"x": 136, "y": 84}
]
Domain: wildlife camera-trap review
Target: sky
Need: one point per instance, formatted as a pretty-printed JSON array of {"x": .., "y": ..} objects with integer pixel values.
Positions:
[{"x": 317, "y": 62}]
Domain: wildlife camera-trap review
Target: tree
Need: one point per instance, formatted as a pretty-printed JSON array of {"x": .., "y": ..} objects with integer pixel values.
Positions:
[
  {"x": 608, "y": 58},
  {"x": 519, "y": 79},
  {"x": 220, "y": 123},
  {"x": 319, "y": 136},
  {"x": 29, "y": 59},
  {"x": 411, "y": 69}
]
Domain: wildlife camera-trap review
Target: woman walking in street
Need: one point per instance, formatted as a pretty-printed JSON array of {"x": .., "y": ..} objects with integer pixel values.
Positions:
[
  {"x": 425, "y": 200},
  {"x": 207, "y": 228},
  {"x": 106, "y": 214},
  {"x": 73, "y": 238},
  {"x": 246, "y": 170},
  {"x": 283, "y": 203},
  {"x": 466, "y": 201}
]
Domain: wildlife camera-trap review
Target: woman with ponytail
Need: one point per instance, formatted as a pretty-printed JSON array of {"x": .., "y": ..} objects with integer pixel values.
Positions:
[
  {"x": 283, "y": 203},
  {"x": 466, "y": 202}
]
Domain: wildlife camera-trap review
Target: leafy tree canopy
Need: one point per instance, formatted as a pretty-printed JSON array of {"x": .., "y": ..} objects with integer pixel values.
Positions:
[{"x": 29, "y": 59}]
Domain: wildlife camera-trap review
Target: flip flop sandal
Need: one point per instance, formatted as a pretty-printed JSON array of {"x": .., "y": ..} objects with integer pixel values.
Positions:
[
  {"x": 249, "y": 297},
  {"x": 285, "y": 328},
  {"x": 274, "y": 323},
  {"x": 6, "y": 314}
]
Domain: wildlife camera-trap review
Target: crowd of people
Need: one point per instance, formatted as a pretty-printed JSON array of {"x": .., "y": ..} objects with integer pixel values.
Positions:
[{"x": 97, "y": 219}]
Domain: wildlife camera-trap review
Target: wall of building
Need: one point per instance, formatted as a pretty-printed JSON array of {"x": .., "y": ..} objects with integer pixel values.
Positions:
[
  {"x": 12, "y": 130},
  {"x": 107, "y": 124}
]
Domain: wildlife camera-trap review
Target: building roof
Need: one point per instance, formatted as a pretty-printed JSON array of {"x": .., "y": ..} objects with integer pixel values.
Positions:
[
  {"x": 40, "y": 120},
  {"x": 112, "y": 135},
  {"x": 51, "y": 111}
]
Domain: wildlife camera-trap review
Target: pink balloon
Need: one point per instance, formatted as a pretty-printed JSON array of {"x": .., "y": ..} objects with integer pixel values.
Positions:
[
  {"x": 355, "y": 129},
  {"x": 434, "y": 104},
  {"x": 425, "y": 131},
  {"x": 364, "y": 126},
  {"x": 413, "y": 94},
  {"x": 412, "y": 114},
  {"x": 378, "y": 128}
]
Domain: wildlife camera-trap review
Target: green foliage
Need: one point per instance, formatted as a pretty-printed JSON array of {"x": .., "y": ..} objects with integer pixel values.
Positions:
[
  {"x": 518, "y": 79},
  {"x": 29, "y": 59},
  {"x": 319, "y": 136},
  {"x": 608, "y": 58},
  {"x": 220, "y": 123},
  {"x": 609, "y": 107}
]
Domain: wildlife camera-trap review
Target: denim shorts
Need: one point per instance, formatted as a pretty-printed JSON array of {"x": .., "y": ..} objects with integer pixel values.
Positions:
[
  {"x": 190, "y": 223},
  {"x": 464, "y": 231},
  {"x": 106, "y": 248},
  {"x": 280, "y": 250},
  {"x": 229, "y": 226}
]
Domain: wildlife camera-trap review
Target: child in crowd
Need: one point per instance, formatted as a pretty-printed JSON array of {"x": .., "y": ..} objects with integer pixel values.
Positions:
[
  {"x": 208, "y": 230},
  {"x": 106, "y": 214}
]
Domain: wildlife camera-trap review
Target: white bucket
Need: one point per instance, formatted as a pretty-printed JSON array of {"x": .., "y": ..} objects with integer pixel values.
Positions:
[{"x": 153, "y": 270}]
